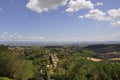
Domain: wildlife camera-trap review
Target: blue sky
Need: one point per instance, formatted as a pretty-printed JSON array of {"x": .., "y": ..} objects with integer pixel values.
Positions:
[{"x": 59, "y": 20}]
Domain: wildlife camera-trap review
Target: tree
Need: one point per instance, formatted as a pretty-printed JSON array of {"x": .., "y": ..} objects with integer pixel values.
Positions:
[
  {"x": 13, "y": 66},
  {"x": 22, "y": 70}
]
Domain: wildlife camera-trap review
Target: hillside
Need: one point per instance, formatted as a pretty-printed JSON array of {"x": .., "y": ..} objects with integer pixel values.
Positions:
[
  {"x": 106, "y": 51},
  {"x": 104, "y": 48}
]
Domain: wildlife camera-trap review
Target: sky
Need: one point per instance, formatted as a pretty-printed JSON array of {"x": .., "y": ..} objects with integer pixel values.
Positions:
[{"x": 60, "y": 20}]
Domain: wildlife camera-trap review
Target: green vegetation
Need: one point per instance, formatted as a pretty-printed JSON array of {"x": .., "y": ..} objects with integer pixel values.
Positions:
[
  {"x": 37, "y": 63},
  {"x": 12, "y": 65},
  {"x": 4, "y": 78}
]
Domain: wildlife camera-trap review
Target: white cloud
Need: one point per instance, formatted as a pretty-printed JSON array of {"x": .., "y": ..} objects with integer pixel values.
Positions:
[
  {"x": 114, "y": 13},
  {"x": 112, "y": 16},
  {"x": 99, "y": 4},
  {"x": 96, "y": 15},
  {"x": 45, "y": 5},
  {"x": 115, "y": 24},
  {"x": 76, "y": 5},
  {"x": 16, "y": 37}
]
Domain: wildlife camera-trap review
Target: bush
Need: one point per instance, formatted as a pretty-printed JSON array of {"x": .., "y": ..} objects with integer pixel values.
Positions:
[{"x": 4, "y": 78}]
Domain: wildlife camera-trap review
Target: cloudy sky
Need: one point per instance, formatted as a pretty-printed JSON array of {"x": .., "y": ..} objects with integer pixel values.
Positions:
[{"x": 59, "y": 20}]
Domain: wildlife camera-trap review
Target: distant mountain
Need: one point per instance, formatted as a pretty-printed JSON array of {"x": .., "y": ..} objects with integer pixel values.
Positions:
[{"x": 104, "y": 48}]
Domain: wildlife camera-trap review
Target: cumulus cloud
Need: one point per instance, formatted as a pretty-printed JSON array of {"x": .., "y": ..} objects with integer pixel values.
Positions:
[
  {"x": 16, "y": 37},
  {"x": 96, "y": 14},
  {"x": 45, "y": 5},
  {"x": 73, "y": 5},
  {"x": 76, "y": 5},
  {"x": 114, "y": 13},
  {"x": 112, "y": 16}
]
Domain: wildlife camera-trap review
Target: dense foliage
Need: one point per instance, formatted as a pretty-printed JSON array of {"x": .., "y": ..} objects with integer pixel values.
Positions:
[
  {"x": 34, "y": 63},
  {"x": 12, "y": 65}
]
